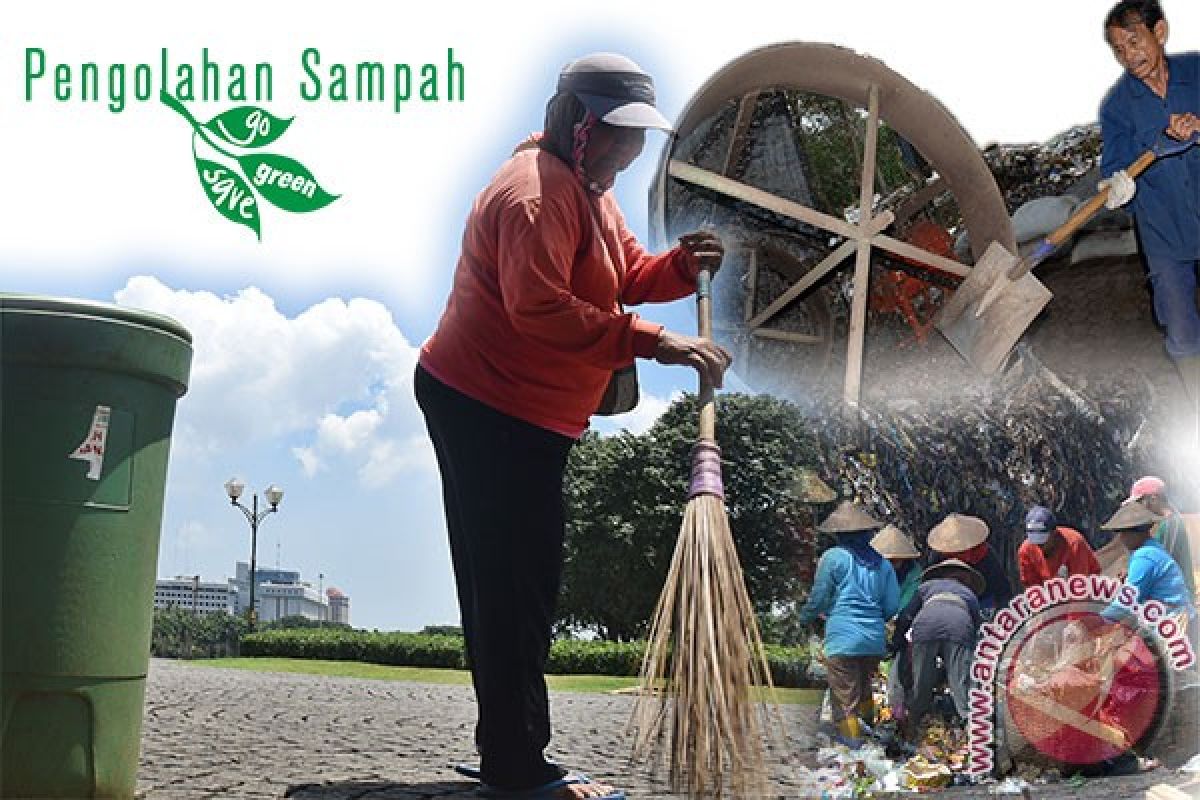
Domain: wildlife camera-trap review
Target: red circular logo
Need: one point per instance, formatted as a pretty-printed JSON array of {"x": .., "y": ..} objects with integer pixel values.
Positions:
[{"x": 1080, "y": 689}]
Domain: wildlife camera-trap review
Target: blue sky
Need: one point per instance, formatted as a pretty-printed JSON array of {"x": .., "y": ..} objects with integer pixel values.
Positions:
[{"x": 305, "y": 341}]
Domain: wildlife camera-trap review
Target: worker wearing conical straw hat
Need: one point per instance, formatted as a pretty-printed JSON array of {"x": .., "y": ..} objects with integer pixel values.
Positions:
[
  {"x": 1155, "y": 575},
  {"x": 1151, "y": 491},
  {"x": 533, "y": 332},
  {"x": 966, "y": 538},
  {"x": 941, "y": 621},
  {"x": 855, "y": 590},
  {"x": 902, "y": 554},
  {"x": 1152, "y": 570}
]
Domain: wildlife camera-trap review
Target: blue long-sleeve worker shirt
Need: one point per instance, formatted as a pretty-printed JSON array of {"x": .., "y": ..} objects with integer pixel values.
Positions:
[
  {"x": 1132, "y": 119},
  {"x": 856, "y": 601},
  {"x": 1157, "y": 577}
]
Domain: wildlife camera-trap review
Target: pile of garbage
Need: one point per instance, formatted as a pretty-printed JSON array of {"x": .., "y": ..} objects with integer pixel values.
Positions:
[
  {"x": 1030, "y": 440},
  {"x": 1026, "y": 172}
]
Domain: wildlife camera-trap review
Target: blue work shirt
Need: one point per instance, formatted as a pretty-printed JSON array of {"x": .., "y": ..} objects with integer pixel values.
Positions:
[
  {"x": 1132, "y": 119},
  {"x": 856, "y": 601},
  {"x": 1157, "y": 577}
]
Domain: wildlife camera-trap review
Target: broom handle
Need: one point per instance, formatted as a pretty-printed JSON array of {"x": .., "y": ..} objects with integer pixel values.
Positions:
[{"x": 708, "y": 408}]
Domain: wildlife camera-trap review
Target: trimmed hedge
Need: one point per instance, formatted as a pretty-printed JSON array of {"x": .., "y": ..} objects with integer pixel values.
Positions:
[{"x": 789, "y": 665}]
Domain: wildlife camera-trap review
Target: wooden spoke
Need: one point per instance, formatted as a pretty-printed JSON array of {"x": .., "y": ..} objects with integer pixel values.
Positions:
[
  {"x": 862, "y": 261},
  {"x": 741, "y": 129},
  {"x": 816, "y": 273},
  {"x": 741, "y": 191},
  {"x": 787, "y": 336}
]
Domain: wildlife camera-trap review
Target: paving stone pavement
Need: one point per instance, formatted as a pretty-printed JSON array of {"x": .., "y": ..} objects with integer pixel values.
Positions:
[{"x": 224, "y": 733}]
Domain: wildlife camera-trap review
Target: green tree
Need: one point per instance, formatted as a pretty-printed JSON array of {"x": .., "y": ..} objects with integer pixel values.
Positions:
[
  {"x": 625, "y": 496},
  {"x": 179, "y": 633}
]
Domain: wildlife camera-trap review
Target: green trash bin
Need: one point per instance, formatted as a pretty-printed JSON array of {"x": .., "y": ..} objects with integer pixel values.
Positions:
[{"x": 87, "y": 399}]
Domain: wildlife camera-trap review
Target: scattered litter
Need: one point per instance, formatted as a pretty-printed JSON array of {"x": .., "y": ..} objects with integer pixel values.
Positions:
[
  {"x": 921, "y": 774},
  {"x": 1011, "y": 785}
]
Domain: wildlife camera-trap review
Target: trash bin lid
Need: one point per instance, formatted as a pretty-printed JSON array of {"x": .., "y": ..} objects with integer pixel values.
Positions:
[{"x": 69, "y": 333}]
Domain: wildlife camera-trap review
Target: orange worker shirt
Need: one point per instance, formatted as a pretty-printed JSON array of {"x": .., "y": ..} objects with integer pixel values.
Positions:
[
  {"x": 533, "y": 326},
  {"x": 1075, "y": 554}
]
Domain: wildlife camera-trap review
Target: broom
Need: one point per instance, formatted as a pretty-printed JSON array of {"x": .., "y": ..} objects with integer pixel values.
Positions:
[{"x": 705, "y": 654}]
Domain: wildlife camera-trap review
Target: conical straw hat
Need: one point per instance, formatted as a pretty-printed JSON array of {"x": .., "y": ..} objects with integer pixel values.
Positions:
[
  {"x": 809, "y": 488},
  {"x": 948, "y": 569},
  {"x": 1130, "y": 516},
  {"x": 892, "y": 543},
  {"x": 849, "y": 517},
  {"x": 957, "y": 532}
]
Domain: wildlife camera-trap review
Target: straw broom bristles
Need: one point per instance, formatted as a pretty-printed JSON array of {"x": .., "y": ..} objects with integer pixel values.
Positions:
[{"x": 705, "y": 655}]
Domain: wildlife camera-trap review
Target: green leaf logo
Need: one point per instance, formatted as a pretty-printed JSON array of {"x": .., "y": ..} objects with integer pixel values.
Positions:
[
  {"x": 248, "y": 126},
  {"x": 229, "y": 194},
  {"x": 285, "y": 182}
]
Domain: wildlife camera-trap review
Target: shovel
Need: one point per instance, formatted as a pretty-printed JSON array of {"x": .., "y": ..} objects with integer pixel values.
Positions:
[{"x": 1000, "y": 298}]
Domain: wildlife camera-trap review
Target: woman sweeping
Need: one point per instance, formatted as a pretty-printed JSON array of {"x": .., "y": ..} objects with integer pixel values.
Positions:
[
  {"x": 533, "y": 331},
  {"x": 855, "y": 590}
]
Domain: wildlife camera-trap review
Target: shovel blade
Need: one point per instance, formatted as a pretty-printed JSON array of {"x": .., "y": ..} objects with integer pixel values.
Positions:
[{"x": 985, "y": 341}]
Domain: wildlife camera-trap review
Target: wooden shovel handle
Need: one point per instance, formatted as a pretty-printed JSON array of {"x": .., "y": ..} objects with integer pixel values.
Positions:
[
  {"x": 1088, "y": 209},
  {"x": 708, "y": 408},
  {"x": 1077, "y": 220}
]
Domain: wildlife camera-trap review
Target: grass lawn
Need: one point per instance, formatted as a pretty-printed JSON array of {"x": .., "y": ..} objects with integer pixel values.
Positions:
[{"x": 357, "y": 669}]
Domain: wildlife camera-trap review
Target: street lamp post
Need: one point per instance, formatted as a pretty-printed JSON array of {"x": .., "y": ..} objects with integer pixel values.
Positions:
[{"x": 273, "y": 494}]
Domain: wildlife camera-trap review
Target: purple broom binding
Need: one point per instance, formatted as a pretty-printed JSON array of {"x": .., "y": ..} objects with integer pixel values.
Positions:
[{"x": 706, "y": 470}]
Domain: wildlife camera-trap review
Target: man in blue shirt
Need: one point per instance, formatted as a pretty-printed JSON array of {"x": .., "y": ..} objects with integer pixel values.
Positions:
[
  {"x": 1152, "y": 570},
  {"x": 855, "y": 591},
  {"x": 1158, "y": 97}
]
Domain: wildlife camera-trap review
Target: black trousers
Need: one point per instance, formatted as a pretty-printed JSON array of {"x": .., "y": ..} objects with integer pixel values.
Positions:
[{"x": 502, "y": 489}]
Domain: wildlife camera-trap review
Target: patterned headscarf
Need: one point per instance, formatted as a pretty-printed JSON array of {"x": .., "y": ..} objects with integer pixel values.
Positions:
[{"x": 566, "y": 133}]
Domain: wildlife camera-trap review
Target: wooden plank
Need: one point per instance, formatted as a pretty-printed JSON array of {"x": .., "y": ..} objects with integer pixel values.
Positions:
[
  {"x": 787, "y": 336},
  {"x": 751, "y": 287},
  {"x": 920, "y": 256},
  {"x": 919, "y": 199},
  {"x": 737, "y": 142},
  {"x": 839, "y": 254},
  {"x": 852, "y": 387},
  {"x": 741, "y": 191}
]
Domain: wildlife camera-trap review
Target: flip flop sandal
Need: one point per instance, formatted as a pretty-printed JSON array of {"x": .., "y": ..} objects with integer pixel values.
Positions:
[
  {"x": 545, "y": 791},
  {"x": 469, "y": 771}
]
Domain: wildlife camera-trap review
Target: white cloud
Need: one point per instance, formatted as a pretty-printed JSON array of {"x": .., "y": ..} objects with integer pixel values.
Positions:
[
  {"x": 649, "y": 408},
  {"x": 390, "y": 457},
  {"x": 347, "y": 434},
  {"x": 309, "y": 462},
  {"x": 338, "y": 375}
]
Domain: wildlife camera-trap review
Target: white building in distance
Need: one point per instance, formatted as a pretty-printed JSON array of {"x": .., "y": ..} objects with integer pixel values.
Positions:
[
  {"x": 278, "y": 593},
  {"x": 339, "y": 606},
  {"x": 190, "y": 594}
]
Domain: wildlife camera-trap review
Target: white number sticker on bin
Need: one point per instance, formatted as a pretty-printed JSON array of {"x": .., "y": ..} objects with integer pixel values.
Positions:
[{"x": 91, "y": 449}]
